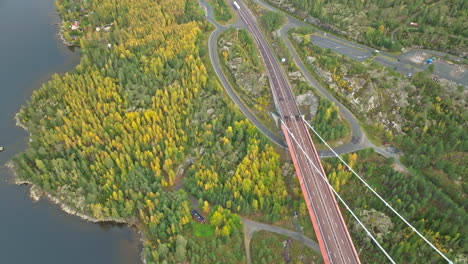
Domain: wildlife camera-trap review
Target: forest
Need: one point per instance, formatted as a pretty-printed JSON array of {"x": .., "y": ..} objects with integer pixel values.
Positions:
[
  {"x": 421, "y": 202},
  {"x": 435, "y": 141},
  {"x": 140, "y": 129},
  {"x": 272, "y": 20},
  {"x": 432, "y": 142},
  {"x": 391, "y": 25},
  {"x": 328, "y": 123},
  {"x": 222, "y": 12},
  {"x": 111, "y": 138}
]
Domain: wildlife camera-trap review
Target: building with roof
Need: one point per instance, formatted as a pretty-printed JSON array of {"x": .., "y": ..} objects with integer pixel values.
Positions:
[{"x": 75, "y": 25}]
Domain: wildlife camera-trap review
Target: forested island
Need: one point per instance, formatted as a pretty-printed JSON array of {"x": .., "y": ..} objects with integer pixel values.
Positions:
[{"x": 140, "y": 132}]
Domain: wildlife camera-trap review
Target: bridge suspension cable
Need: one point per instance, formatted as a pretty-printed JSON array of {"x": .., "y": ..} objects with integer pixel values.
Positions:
[
  {"x": 376, "y": 194},
  {"x": 339, "y": 197}
]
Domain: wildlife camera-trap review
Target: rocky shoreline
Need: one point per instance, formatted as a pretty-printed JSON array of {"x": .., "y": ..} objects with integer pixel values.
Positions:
[
  {"x": 18, "y": 122},
  {"x": 60, "y": 34},
  {"x": 36, "y": 193}
]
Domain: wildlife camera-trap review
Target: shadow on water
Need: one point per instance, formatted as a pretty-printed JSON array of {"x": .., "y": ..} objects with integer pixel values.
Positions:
[{"x": 40, "y": 232}]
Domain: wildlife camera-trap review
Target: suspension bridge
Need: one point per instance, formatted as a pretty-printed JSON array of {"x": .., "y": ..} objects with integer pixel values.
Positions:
[{"x": 332, "y": 234}]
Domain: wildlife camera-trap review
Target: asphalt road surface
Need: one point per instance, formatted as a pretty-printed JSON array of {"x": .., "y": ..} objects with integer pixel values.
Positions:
[
  {"x": 212, "y": 45},
  {"x": 359, "y": 139},
  {"x": 250, "y": 227},
  {"x": 333, "y": 237},
  {"x": 352, "y": 52},
  {"x": 400, "y": 67},
  {"x": 400, "y": 63}
]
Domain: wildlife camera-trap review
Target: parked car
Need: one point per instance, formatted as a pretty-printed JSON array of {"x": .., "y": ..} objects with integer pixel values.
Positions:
[{"x": 197, "y": 216}]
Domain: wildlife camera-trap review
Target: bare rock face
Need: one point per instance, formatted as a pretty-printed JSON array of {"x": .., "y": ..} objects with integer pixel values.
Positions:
[
  {"x": 297, "y": 38},
  {"x": 330, "y": 27},
  {"x": 311, "y": 59},
  {"x": 234, "y": 64},
  {"x": 237, "y": 61},
  {"x": 291, "y": 10},
  {"x": 308, "y": 101},
  {"x": 325, "y": 75},
  {"x": 275, "y": 34},
  {"x": 296, "y": 76},
  {"x": 314, "y": 21},
  {"x": 374, "y": 94},
  {"x": 379, "y": 223},
  {"x": 248, "y": 79}
]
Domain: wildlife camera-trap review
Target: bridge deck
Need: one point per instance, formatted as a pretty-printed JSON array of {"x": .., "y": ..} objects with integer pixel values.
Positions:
[{"x": 333, "y": 237}]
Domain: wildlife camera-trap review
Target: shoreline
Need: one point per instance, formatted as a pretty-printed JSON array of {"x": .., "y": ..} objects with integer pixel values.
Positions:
[
  {"x": 60, "y": 34},
  {"x": 19, "y": 124},
  {"x": 36, "y": 192}
]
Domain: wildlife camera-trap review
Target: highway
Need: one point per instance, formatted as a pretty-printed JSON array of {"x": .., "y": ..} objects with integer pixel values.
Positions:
[
  {"x": 401, "y": 63},
  {"x": 359, "y": 139},
  {"x": 334, "y": 240},
  {"x": 212, "y": 45},
  {"x": 455, "y": 72}
]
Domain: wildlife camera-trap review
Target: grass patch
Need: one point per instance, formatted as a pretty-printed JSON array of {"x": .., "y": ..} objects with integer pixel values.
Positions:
[
  {"x": 307, "y": 227},
  {"x": 375, "y": 134},
  {"x": 202, "y": 230}
]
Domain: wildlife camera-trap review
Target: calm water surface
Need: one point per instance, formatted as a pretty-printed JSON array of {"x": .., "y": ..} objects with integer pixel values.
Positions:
[{"x": 40, "y": 232}]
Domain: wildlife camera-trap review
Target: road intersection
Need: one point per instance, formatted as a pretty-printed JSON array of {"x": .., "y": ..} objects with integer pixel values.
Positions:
[{"x": 402, "y": 63}]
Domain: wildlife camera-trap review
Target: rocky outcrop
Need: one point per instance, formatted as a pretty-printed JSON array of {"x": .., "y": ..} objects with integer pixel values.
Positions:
[
  {"x": 377, "y": 222},
  {"x": 308, "y": 101},
  {"x": 251, "y": 81},
  {"x": 297, "y": 38},
  {"x": 311, "y": 59},
  {"x": 296, "y": 76},
  {"x": 317, "y": 22},
  {"x": 379, "y": 99}
]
